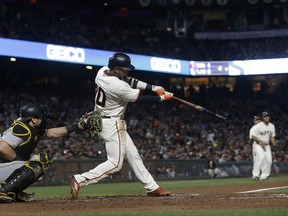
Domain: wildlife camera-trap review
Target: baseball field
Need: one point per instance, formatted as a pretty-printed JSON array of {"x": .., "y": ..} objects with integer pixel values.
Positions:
[{"x": 201, "y": 197}]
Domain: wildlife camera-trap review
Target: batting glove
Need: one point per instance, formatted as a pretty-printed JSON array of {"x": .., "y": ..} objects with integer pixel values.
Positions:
[
  {"x": 166, "y": 96},
  {"x": 159, "y": 90}
]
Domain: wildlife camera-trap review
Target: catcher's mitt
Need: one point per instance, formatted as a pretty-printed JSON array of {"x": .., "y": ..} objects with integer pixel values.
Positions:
[{"x": 92, "y": 122}]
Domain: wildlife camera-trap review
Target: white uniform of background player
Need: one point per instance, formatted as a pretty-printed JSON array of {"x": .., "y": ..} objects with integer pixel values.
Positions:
[
  {"x": 263, "y": 133},
  {"x": 255, "y": 146},
  {"x": 113, "y": 92}
]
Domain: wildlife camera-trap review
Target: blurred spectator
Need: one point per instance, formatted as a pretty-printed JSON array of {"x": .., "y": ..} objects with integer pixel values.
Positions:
[{"x": 171, "y": 173}]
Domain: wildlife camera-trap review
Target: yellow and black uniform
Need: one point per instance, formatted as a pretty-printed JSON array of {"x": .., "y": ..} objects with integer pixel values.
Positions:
[
  {"x": 18, "y": 174},
  {"x": 29, "y": 136},
  {"x": 23, "y": 139}
]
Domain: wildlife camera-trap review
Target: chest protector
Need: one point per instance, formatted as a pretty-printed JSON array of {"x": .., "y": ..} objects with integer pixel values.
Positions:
[{"x": 28, "y": 135}]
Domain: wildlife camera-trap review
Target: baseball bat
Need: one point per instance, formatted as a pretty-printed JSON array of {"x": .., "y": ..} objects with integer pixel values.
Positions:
[{"x": 201, "y": 109}]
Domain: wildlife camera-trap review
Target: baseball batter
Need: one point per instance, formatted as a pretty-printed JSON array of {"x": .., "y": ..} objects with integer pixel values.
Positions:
[
  {"x": 114, "y": 90},
  {"x": 262, "y": 134}
]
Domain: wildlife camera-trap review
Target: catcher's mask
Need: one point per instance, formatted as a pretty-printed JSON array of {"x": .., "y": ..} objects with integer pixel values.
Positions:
[{"x": 120, "y": 60}]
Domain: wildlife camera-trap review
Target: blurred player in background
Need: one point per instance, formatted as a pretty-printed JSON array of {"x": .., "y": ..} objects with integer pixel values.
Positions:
[
  {"x": 262, "y": 133},
  {"x": 255, "y": 145},
  {"x": 212, "y": 170},
  {"x": 114, "y": 90}
]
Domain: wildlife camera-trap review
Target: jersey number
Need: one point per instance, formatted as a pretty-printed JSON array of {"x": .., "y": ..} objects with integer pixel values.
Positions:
[{"x": 100, "y": 98}]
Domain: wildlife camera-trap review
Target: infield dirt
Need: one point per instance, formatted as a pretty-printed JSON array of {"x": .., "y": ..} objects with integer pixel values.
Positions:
[{"x": 213, "y": 197}]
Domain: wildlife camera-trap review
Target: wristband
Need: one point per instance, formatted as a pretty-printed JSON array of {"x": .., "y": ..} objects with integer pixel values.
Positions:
[
  {"x": 69, "y": 129},
  {"x": 73, "y": 128},
  {"x": 76, "y": 128},
  {"x": 149, "y": 87}
]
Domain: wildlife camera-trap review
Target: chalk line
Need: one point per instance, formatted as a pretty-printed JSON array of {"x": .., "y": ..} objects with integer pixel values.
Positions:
[{"x": 264, "y": 189}]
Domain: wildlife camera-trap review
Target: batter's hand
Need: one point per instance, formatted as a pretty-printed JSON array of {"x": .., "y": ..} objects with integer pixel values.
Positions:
[
  {"x": 159, "y": 90},
  {"x": 166, "y": 96}
]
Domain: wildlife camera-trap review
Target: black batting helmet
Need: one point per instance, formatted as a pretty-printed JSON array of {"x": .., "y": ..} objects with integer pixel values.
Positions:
[
  {"x": 32, "y": 110},
  {"x": 120, "y": 60}
]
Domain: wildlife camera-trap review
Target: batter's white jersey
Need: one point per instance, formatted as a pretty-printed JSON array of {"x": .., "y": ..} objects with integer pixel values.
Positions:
[{"x": 112, "y": 94}]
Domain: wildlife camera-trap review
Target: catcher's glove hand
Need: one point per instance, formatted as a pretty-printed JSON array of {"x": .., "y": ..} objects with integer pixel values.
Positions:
[{"x": 92, "y": 122}]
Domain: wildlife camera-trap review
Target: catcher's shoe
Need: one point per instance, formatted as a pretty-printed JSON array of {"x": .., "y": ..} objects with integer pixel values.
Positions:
[
  {"x": 25, "y": 197},
  {"x": 159, "y": 192},
  {"x": 4, "y": 198},
  {"x": 256, "y": 178},
  {"x": 75, "y": 187}
]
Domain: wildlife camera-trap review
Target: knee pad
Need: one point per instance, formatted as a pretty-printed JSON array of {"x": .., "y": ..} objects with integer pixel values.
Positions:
[
  {"x": 24, "y": 176},
  {"x": 44, "y": 159}
]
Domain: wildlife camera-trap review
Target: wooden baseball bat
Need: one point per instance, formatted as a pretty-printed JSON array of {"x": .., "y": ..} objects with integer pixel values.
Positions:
[{"x": 201, "y": 109}]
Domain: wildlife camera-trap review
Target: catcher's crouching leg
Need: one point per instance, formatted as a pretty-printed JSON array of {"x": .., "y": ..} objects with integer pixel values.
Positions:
[{"x": 25, "y": 176}]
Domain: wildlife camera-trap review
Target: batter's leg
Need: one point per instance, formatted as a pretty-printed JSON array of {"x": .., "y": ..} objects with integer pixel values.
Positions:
[
  {"x": 115, "y": 148},
  {"x": 115, "y": 156},
  {"x": 137, "y": 165}
]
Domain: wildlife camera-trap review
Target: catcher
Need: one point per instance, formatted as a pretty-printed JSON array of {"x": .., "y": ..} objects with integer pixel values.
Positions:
[{"x": 18, "y": 167}]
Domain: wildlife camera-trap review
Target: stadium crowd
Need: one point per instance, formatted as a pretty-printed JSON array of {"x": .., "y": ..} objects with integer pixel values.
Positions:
[
  {"x": 161, "y": 131},
  {"x": 132, "y": 35}
]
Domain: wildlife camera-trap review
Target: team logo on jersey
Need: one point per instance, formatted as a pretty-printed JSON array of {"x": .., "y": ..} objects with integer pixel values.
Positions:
[{"x": 265, "y": 132}]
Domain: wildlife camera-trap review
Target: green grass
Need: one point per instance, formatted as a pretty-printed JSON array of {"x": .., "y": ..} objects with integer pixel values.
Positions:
[{"x": 135, "y": 188}]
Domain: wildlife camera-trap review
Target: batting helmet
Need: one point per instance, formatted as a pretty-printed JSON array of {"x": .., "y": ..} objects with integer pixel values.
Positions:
[
  {"x": 120, "y": 60},
  {"x": 32, "y": 110}
]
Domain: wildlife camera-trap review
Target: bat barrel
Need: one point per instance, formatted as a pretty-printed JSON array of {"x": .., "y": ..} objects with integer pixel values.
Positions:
[{"x": 201, "y": 109}]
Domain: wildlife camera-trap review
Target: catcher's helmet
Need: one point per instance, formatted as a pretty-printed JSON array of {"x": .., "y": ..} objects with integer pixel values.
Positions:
[
  {"x": 32, "y": 110},
  {"x": 120, "y": 60}
]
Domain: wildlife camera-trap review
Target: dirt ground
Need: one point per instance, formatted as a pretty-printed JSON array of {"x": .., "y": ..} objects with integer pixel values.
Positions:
[{"x": 227, "y": 197}]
